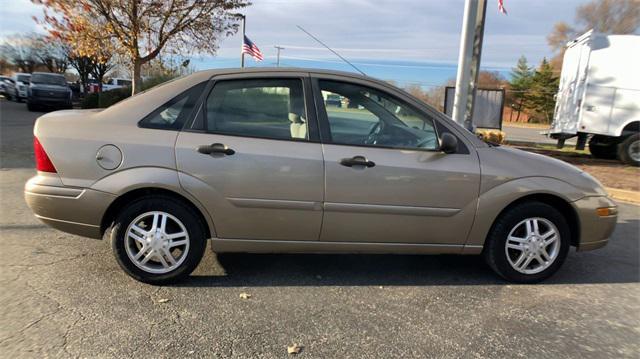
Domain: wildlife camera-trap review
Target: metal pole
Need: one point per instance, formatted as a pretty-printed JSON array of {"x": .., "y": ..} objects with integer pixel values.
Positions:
[
  {"x": 475, "y": 62},
  {"x": 469, "y": 61},
  {"x": 278, "y": 56},
  {"x": 244, "y": 20}
]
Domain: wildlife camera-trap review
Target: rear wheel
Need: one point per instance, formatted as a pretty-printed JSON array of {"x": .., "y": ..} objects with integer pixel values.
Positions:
[
  {"x": 629, "y": 150},
  {"x": 528, "y": 243},
  {"x": 158, "y": 240},
  {"x": 603, "y": 147}
]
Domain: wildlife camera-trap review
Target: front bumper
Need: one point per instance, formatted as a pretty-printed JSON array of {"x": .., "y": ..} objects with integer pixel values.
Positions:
[
  {"x": 49, "y": 101},
  {"x": 72, "y": 210},
  {"x": 594, "y": 229}
]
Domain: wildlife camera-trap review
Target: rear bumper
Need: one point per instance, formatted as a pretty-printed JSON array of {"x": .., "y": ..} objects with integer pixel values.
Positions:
[
  {"x": 73, "y": 210},
  {"x": 594, "y": 230}
]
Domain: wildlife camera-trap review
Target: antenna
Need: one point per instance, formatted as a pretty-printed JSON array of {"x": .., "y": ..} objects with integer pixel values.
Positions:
[{"x": 330, "y": 49}]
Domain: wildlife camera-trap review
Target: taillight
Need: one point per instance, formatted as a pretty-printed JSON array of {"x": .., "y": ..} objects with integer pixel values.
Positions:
[{"x": 43, "y": 163}]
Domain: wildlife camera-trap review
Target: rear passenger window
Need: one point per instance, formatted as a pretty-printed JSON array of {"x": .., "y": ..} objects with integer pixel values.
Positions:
[
  {"x": 266, "y": 108},
  {"x": 173, "y": 114}
]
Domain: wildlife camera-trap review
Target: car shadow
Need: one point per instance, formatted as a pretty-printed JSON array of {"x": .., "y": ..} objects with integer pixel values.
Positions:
[{"x": 618, "y": 262}]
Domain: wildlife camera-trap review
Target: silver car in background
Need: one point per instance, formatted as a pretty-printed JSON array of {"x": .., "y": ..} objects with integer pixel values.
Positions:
[{"x": 294, "y": 160}]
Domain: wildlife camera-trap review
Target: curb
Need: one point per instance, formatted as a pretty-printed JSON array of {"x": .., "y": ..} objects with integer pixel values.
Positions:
[{"x": 624, "y": 195}]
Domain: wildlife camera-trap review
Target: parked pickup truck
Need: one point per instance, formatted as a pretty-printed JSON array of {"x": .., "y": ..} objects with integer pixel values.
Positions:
[
  {"x": 116, "y": 83},
  {"x": 599, "y": 96}
]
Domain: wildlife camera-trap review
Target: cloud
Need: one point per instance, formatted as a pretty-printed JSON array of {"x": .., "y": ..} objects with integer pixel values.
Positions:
[{"x": 389, "y": 30}]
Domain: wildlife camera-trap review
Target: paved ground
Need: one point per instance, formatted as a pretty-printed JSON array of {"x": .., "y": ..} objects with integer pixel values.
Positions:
[
  {"x": 65, "y": 296},
  {"x": 525, "y": 134}
]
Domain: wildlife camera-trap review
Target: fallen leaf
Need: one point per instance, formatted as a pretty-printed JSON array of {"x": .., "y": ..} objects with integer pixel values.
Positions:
[
  {"x": 163, "y": 300},
  {"x": 245, "y": 295},
  {"x": 294, "y": 349}
]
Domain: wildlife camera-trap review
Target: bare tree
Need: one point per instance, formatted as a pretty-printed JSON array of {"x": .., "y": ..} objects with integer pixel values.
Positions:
[
  {"x": 53, "y": 54},
  {"x": 141, "y": 29},
  {"x": 21, "y": 52},
  {"x": 606, "y": 16}
]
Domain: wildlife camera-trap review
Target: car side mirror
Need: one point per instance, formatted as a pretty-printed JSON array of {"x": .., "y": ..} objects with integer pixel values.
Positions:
[{"x": 448, "y": 143}]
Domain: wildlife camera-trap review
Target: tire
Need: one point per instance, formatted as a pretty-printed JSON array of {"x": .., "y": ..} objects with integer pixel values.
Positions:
[
  {"x": 31, "y": 107},
  {"x": 629, "y": 150},
  {"x": 601, "y": 148},
  {"x": 125, "y": 247},
  {"x": 501, "y": 259}
]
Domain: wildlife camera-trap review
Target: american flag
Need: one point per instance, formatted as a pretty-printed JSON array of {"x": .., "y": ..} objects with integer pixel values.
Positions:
[
  {"x": 250, "y": 48},
  {"x": 501, "y": 7}
]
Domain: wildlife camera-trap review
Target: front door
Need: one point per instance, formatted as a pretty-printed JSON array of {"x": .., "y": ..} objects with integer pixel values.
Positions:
[
  {"x": 253, "y": 159},
  {"x": 386, "y": 181}
]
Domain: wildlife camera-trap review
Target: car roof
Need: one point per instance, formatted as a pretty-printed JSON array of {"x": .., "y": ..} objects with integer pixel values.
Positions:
[{"x": 248, "y": 70}]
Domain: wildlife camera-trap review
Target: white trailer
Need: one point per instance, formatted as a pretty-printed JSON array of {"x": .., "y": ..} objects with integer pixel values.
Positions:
[{"x": 599, "y": 96}]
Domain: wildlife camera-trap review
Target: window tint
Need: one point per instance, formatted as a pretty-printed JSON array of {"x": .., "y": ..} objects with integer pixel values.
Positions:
[
  {"x": 269, "y": 108},
  {"x": 359, "y": 115},
  {"x": 174, "y": 113}
]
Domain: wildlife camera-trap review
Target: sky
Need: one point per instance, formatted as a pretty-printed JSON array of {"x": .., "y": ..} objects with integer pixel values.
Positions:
[{"x": 407, "y": 41}]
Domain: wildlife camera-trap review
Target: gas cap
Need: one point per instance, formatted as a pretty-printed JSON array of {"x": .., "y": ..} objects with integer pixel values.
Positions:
[{"x": 109, "y": 157}]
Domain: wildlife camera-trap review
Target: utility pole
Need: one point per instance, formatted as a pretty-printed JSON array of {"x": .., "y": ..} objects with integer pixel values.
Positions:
[
  {"x": 244, "y": 23},
  {"x": 469, "y": 61},
  {"x": 278, "y": 56}
]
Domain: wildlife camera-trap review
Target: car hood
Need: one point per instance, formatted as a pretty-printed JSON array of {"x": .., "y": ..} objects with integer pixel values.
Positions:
[{"x": 502, "y": 164}]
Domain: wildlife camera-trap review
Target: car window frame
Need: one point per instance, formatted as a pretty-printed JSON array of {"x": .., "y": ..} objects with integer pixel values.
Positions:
[
  {"x": 325, "y": 132},
  {"x": 199, "y": 122},
  {"x": 323, "y": 119},
  {"x": 186, "y": 117}
]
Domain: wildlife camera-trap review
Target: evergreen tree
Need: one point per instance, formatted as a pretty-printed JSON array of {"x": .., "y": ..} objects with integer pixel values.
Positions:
[
  {"x": 521, "y": 81},
  {"x": 544, "y": 87}
]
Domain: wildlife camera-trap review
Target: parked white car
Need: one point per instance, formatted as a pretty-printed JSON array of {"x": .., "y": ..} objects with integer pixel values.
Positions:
[
  {"x": 599, "y": 95},
  {"x": 116, "y": 83},
  {"x": 17, "y": 88}
]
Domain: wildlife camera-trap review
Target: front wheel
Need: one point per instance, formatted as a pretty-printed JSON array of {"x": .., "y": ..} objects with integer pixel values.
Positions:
[
  {"x": 528, "y": 243},
  {"x": 158, "y": 240}
]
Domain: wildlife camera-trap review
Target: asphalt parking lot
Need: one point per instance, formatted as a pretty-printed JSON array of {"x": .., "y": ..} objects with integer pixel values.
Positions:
[{"x": 65, "y": 296}]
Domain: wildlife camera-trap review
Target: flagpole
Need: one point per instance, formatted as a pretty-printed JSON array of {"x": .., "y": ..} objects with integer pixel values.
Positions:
[{"x": 244, "y": 20}]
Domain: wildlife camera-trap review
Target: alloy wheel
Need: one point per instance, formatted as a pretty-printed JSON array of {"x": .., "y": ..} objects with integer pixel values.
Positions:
[
  {"x": 532, "y": 245},
  {"x": 157, "y": 242}
]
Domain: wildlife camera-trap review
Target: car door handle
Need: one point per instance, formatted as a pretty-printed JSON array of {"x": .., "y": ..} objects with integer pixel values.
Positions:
[
  {"x": 216, "y": 148},
  {"x": 357, "y": 161}
]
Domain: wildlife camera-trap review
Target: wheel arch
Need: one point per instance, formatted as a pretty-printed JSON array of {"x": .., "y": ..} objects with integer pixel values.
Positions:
[
  {"x": 630, "y": 128},
  {"x": 127, "y": 197},
  {"x": 494, "y": 202},
  {"x": 559, "y": 203}
]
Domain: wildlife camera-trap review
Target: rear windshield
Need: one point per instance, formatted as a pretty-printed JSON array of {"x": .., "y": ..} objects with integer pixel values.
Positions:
[
  {"x": 24, "y": 78},
  {"x": 48, "y": 79}
]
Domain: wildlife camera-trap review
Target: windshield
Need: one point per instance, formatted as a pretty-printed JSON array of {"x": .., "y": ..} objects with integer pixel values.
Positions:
[
  {"x": 24, "y": 78},
  {"x": 48, "y": 79}
]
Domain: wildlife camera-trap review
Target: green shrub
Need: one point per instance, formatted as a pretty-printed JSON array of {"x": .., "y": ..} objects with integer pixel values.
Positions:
[
  {"x": 106, "y": 98},
  {"x": 90, "y": 101}
]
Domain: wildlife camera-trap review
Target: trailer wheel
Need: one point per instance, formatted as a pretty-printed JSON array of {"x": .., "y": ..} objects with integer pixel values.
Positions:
[
  {"x": 603, "y": 147},
  {"x": 629, "y": 150}
]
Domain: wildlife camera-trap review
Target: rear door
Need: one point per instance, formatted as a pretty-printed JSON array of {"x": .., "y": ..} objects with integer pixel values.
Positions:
[
  {"x": 253, "y": 158},
  {"x": 385, "y": 179}
]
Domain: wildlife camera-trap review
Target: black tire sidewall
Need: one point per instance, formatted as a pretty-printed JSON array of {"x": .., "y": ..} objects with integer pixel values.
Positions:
[
  {"x": 495, "y": 247},
  {"x": 184, "y": 213},
  {"x": 623, "y": 150}
]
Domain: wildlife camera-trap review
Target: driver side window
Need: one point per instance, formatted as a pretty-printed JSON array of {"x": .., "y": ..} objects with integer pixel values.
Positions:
[{"x": 358, "y": 115}]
